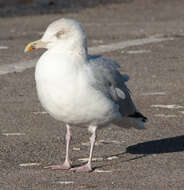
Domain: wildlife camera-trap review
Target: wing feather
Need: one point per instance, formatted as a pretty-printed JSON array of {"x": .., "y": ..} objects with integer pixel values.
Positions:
[{"x": 112, "y": 82}]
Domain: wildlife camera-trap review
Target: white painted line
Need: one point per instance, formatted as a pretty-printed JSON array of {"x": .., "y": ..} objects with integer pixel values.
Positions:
[
  {"x": 13, "y": 134},
  {"x": 88, "y": 143},
  {"x": 125, "y": 44},
  {"x": 165, "y": 116},
  {"x": 112, "y": 158},
  {"x": 153, "y": 93},
  {"x": 167, "y": 106},
  {"x": 182, "y": 112},
  {"x": 102, "y": 171},
  {"x": 29, "y": 164},
  {"x": 76, "y": 148},
  {"x": 98, "y": 41},
  {"x": 3, "y": 47},
  {"x": 19, "y": 67},
  {"x": 93, "y": 159},
  {"x": 136, "y": 51},
  {"x": 39, "y": 113},
  {"x": 64, "y": 182}
]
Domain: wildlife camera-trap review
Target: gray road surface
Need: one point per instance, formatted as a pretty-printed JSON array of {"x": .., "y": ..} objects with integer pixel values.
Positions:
[{"x": 132, "y": 160}]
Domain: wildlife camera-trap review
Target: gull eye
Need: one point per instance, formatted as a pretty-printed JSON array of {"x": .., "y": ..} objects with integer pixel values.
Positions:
[{"x": 59, "y": 34}]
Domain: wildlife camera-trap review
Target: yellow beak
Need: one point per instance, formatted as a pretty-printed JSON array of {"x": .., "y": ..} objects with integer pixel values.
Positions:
[
  {"x": 35, "y": 45},
  {"x": 29, "y": 47}
]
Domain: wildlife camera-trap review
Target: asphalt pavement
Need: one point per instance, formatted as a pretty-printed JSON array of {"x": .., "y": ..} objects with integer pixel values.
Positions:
[{"x": 123, "y": 159}]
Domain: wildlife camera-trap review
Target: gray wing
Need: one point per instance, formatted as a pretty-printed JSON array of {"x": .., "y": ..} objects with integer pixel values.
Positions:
[{"x": 110, "y": 81}]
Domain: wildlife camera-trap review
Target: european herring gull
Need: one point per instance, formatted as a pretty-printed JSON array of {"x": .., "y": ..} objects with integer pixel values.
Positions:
[{"x": 79, "y": 89}]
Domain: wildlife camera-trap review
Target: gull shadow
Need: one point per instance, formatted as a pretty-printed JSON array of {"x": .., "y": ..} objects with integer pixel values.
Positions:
[
  {"x": 167, "y": 145},
  {"x": 160, "y": 146}
]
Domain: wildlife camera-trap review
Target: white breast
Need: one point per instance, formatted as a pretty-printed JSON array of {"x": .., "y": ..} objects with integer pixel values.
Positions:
[{"x": 65, "y": 92}]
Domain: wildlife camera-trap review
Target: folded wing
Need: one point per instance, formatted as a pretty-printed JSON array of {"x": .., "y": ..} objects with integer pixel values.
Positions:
[{"x": 112, "y": 83}]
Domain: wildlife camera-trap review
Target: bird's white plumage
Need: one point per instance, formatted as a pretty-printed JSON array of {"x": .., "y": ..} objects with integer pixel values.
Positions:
[
  {"x": 80, "y": 89},
  {"x": 74, "y": 87},
  {"x": 64, "y": 85}
]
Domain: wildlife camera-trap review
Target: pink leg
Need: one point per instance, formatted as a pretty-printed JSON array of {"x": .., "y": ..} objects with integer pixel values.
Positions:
[
  {"x": 67, "y": 163},
  {"x": 87, "y": 167}
]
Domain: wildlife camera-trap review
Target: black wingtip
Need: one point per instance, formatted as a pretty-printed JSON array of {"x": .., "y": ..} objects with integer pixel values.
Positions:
[{"x": 138, "y": 115}]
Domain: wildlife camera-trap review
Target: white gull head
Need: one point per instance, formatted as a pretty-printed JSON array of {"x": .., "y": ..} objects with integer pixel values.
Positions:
[
  {"x": 65, "y": 34},
  {"x": 62, "y": 35}
]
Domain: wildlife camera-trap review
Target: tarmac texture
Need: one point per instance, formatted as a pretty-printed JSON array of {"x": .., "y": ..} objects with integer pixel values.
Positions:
[{"x": 30, "y": 139}]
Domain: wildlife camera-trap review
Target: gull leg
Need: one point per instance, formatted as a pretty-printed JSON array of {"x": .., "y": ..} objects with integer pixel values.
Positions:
[
  {"x": 67, "y": 163},
  {"x": 88, "y": 167}
]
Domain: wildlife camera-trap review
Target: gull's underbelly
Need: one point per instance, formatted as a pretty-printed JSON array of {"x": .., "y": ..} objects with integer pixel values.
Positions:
[{"x": 75, "y": 105}]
